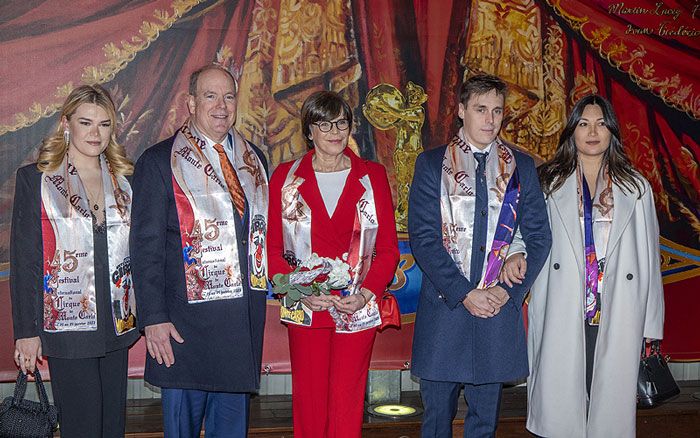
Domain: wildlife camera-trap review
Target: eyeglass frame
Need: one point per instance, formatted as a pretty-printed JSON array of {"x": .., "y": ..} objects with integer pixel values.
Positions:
[{"x": 331, "y": 124}]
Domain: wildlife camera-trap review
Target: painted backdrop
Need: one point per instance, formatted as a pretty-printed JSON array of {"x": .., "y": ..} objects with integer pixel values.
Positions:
[{"x": 399, "y": 63}]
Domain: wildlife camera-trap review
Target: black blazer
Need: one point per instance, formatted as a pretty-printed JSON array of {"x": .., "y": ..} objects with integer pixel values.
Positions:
[
  {"x": 26, "y": 281},
  {"x": 223, "y": 339}
]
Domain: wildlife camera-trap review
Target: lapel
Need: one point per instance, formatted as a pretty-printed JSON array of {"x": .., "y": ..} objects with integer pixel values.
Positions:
[
  {"x": 566, "y": 203},
  {"x": 351, "y": 194},
  {"x": 624, "y": 207}
]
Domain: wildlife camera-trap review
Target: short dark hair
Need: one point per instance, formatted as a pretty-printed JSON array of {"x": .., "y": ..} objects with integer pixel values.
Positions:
[
  {"x": 480, "y": 84},
  {"x": 194, "y": 77},
  {"x": 320, "y": 106}
]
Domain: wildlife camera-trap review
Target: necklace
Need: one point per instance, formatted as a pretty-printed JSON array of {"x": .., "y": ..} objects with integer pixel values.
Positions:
[{"x": 92, "y": 198}]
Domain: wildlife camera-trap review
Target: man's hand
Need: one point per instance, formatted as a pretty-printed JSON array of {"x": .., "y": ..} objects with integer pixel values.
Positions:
[
  {"x": 482, "y": 303},
  {"x": 513, "y": 270},
  {"x": 158, "y": 342},
  {"x": 486, "y": 303},
  {"x": 27, "y": 352},
  {"x": 500, "y": 294}
]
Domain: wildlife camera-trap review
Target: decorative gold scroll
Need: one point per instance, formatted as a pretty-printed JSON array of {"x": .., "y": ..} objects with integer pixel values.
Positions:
[
  {"x": 507, "y": 39},
  {"x": 673, "y": 91},
  {"x": 294, "y": 49},
  {"x": 117, "y": 57}
]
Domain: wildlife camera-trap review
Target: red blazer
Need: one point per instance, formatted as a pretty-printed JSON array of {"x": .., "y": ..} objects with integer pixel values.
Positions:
[{"x": 330, "y": 236}]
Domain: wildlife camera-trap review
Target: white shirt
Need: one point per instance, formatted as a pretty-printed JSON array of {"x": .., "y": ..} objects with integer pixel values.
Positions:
[
  {"x": 476, "y": 150},
  {"x": 331, "y": 185},
  {"x": 485, "y": 150}
]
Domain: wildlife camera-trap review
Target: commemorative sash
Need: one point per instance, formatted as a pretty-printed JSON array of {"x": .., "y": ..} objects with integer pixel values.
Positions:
[
  {"x": 596, "y": 220},
  {"x": 458, "y": 199},
  {"x": 296, "y": 232},
  {"x": 69, "y": 297},
  {"x": 206, "y": 215}
]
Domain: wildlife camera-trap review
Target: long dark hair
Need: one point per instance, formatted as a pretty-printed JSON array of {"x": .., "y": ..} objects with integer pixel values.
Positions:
[{"x": 555, "y": 171}]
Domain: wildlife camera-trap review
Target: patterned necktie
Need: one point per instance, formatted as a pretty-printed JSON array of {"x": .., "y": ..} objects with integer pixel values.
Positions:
[
  {"x": 481, "y": 218},
  {"x": 234, "y": 185}
]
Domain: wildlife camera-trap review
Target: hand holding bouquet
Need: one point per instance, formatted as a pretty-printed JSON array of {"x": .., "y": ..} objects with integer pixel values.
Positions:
[{"x": 315, "y": 276}]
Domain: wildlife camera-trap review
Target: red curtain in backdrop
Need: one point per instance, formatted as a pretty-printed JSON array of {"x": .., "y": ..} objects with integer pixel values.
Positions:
[
  {"x": 157, "y": 44},
  {"x": 144, "y": 50}
]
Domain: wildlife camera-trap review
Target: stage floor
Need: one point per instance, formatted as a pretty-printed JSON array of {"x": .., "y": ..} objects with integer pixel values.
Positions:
[{"x": 271, "y": 416}]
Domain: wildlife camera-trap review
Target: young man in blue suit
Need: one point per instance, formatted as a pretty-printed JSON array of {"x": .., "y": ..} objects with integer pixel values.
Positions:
[
  {"x": 199, "y": 221},
  {"x": 466, "y": 201}
]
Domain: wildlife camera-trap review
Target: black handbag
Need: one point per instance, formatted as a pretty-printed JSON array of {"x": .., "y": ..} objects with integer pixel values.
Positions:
[
  {"x": 655, "y": 384},
  {"x": 20, "y": 418}
]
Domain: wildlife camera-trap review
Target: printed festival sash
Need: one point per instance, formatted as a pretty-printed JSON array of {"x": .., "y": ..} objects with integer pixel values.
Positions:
[
  {"x": 206, "y": 215},
  {"x": 70, "y": 303},
  {"x": 596, "y": 216},
  {"x": 458, "y": 202},
  {"x": 296, "y": 231}
]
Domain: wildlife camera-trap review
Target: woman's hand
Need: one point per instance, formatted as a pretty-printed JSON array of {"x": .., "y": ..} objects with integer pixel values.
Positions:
[
  {"x": 319, "y": 303},
  {"x": 353, "y": 303},
  {"x": 513, "y": 270},
  {"x": 27, "y": 352}
]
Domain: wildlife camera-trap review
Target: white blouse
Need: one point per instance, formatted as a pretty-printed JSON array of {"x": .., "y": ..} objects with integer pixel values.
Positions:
[{"x": 331, "y": 185}]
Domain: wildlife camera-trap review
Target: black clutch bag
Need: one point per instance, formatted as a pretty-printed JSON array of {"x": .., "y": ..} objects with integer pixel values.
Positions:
[
  {"x": 655, "y": 384},
  {"x": 20, "y": 418}
]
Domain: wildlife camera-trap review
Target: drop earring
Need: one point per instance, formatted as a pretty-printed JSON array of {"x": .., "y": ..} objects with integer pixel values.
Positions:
[{"x": 66, "y": 137}]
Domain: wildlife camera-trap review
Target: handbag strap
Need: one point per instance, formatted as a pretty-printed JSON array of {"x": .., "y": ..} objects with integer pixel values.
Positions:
[
  {"x": 21, "y": 389},
  {"x": 41, "y": 390},
  {"x": 654, "y": 349}
]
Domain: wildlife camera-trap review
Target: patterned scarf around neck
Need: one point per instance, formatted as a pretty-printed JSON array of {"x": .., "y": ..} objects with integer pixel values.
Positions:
[{"x": 596, "y": 214}]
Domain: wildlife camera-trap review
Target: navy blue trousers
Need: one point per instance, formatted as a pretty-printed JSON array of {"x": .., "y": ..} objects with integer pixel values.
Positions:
[
  {"x": 440, "y": 407},
  {"x": 225, "y": 414}
]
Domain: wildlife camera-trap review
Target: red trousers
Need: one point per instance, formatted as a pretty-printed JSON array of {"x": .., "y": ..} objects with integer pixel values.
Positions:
[{"x": 329, "y": 376}]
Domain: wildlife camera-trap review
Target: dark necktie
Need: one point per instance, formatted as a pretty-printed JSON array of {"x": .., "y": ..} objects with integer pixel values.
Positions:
[
  {"x": 481, "y": 219},
  {"x": 234, "y": 185}
]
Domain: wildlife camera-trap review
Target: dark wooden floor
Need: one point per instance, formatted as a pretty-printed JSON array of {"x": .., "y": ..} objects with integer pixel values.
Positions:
[{"x": 271, "y": 416}]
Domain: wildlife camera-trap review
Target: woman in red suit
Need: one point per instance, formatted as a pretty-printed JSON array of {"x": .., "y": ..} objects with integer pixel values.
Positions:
[{"x": 337, "y": 205}]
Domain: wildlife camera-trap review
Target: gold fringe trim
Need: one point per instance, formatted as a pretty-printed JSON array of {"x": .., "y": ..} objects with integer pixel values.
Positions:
[
  {"x": 670, "y": 90},
  {"x": 118, "y": 57}
]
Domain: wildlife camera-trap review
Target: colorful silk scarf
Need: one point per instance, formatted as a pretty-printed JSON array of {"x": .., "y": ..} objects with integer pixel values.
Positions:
[
  {"x": 296, "y": 231},
  {"x": 458, "y": 199},
  {"x": 70, "y": 303},
  {"x": 206, "y": 215},
  {"x": 596, "y": 215}
]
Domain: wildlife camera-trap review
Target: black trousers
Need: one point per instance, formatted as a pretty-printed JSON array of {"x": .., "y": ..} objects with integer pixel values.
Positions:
[
  {"x": 591, "y": 332},
  {"x": 90, "y": 395}
]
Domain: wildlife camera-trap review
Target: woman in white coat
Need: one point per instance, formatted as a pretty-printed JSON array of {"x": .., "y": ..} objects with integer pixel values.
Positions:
[{"x": 600, "y": 293}]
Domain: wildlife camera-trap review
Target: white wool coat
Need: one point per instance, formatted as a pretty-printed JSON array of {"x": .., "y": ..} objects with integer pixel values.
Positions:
[{"x": 632, "y": 309}]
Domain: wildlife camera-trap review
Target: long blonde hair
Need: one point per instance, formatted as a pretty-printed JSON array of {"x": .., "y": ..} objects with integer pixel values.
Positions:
[{"x": 54, "y": 148}]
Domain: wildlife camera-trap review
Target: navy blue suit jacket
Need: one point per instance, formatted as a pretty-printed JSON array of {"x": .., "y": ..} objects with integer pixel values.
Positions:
[
  {"x": 449, "y": 344},
  {"x": 223, "y": 339}
]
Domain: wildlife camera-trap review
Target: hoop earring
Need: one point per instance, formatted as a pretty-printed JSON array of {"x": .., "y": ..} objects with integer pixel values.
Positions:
[{"x": 66, "y": 137}]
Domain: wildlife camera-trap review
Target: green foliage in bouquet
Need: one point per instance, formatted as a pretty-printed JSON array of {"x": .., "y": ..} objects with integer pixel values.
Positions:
[{"x": 295, "y": 292}]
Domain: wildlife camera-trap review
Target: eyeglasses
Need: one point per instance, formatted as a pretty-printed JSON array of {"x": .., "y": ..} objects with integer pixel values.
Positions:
[{"x": 326, "y": 126}]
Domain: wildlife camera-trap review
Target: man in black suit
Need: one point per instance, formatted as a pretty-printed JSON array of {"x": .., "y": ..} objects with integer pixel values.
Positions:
[
  {"x": 198, "y": 228},
  {"x": 467, "y": 198}
]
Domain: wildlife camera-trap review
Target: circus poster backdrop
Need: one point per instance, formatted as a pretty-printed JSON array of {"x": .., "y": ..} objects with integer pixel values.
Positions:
[{"x": 399, "y": 63}]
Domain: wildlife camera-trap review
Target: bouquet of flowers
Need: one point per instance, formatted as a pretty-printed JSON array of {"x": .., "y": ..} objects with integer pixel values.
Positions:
[{"x": 315, "y": 276}]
